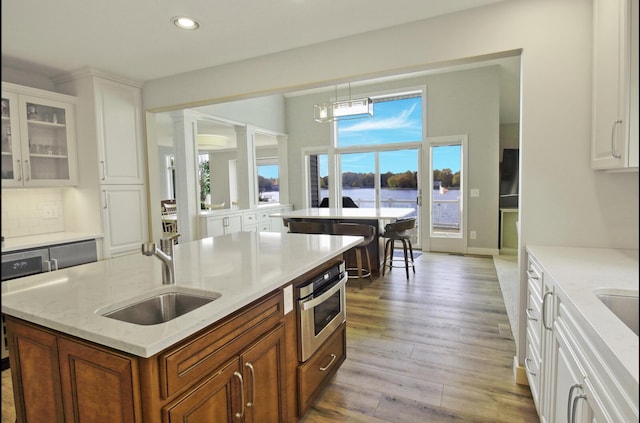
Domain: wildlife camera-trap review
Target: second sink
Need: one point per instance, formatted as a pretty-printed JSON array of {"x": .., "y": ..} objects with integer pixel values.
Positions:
[
  {"x": 623, "y": 305},
  {"x": 161, "y": 307}
]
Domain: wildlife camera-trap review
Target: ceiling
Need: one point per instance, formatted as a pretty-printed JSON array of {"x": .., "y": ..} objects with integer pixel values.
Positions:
[{"x": 136, "y": 38}]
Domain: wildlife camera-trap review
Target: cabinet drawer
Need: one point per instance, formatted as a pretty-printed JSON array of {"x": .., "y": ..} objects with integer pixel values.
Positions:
[
  {"x": 533, "y": 365},
  {"x": 185, "y": 364},
  {"x": 534, "y": 313},
  {"x": 263, "y": 216},
  {"x": 534, "y": 275},
  {"x": 315, "y": 373},
  {"x": 249, "y": 219}
]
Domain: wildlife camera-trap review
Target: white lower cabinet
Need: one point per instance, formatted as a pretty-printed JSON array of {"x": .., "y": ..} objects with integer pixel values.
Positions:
[
  {"x": 228, "y": 222},
  {"x": 571, "y": 403},
  {"x": 221, "y": 225},
  {"x": 124, "y": 218},
  {"x": 570, "y": 380}
]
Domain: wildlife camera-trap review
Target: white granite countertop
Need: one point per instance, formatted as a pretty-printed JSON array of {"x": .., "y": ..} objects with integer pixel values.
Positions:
[
  {"x": 348, "y": 213},
  {"x": 577, "y": 272},
  {"x": 242, "y": 267},
  {"x": 34, "y": 241}
]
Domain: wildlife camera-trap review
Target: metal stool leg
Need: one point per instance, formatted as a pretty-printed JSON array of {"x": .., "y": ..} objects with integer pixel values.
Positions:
[
  {"x": 386, "y": 254},
  {"x": 413, "y": 263},
  {"x": 406, "y": 260}
]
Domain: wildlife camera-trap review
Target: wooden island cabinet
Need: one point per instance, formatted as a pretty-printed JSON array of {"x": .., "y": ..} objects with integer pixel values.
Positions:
[{"x": 237, "y": 370}]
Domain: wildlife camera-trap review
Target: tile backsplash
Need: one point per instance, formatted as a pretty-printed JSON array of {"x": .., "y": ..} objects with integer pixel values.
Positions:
[{"x": 31, "y": 212}]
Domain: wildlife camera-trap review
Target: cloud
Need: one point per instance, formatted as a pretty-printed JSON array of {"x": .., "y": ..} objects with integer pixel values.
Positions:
[{"x": 400, "y": 121}]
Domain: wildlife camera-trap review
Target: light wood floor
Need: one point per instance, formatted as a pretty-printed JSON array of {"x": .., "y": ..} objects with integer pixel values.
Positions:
[{"x": 437, "y": 348}]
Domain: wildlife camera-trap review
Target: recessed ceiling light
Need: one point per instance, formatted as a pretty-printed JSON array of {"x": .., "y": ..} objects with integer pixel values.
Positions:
[{"x": 184, "y": 22}]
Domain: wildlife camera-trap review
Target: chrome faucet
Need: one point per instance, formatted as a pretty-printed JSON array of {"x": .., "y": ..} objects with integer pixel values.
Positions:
[{"x": 165, "y": 254}]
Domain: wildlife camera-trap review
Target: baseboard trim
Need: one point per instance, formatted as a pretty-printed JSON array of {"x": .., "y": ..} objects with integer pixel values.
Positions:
[{"x": 520, "y": 373}]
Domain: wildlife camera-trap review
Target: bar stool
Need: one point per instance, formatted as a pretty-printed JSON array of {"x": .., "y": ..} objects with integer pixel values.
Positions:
[
  {"x": 368, "y": 232},
  {"x": 400, "y": 230}
]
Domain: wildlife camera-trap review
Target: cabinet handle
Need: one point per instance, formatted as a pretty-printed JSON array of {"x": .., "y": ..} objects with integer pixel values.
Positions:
[
  {"x": 575, "y": 404},
  {"x": 237, "y": 374},
  {"x": 253, "y": 385},
  {"x": 19, "y": 170},
  {"x": 613, "y": 138},
  {"x": 544, "y": 310},
  {"x": 55, "y": 264},
  {"x": 532, "y": 275},
  {"x": 104, "y": 176},
  {"x": 569, "y": 411},
  {"x": 27, "y": 173},
  {"x": 333, "y": 358},
  {"x": 530, "y": 315},
  {"x": 48, "y": 265},
  {"x": 526, "y": 366},
  {"x": 105, "y": 199}
]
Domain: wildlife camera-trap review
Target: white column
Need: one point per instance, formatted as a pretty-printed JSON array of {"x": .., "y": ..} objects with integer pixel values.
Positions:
[
  {"x": 246, "y": 167},
  {"x": 185, "y": 128},
  {"x": 283, "y": 168}
]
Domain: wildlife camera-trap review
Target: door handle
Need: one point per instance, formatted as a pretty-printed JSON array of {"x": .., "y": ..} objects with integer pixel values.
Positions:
[
  {"x": 240, "y": 414},
  {"x": 253, "y": 385}
]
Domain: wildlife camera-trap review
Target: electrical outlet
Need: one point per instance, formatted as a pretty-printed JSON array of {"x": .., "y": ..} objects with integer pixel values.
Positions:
[
  {"x": 472, "y": 235},
  {"x": 49, "y": 212}
]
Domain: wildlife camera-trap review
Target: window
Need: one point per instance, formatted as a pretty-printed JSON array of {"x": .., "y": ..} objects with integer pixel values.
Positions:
[
  {"x": 268, "y": 180},
  {"x": 204, "y": 179},
  {"x": 171, "y": 175},
  {"x": 396, "y": 119}
]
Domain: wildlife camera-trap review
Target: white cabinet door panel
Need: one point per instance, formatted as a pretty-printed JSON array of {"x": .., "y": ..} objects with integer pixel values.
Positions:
[
  {"x": 119, "y": 133},
  {"x": 124, "y": 218}
]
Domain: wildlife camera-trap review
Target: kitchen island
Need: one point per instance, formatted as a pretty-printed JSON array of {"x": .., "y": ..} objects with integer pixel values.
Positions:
[{"x": 81, "y": 363}]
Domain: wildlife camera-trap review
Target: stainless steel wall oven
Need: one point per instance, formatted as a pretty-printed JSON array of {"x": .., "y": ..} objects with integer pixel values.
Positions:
[{"x": 321, "y": 308}]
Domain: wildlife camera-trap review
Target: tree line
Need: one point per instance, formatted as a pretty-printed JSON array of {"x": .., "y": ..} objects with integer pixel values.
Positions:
[{"x": 404, "y": 180}]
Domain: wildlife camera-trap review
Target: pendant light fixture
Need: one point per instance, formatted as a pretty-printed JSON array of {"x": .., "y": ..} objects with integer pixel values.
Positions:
[{"x": 343, "y": 109}]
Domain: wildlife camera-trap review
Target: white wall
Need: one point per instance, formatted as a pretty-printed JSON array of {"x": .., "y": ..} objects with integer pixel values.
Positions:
[
  {"x": 563, "y": 202},
  {"x": 457, "y": 103}
]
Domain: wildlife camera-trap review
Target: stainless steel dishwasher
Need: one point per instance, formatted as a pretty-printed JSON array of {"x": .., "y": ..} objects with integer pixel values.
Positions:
[{"x": 21, "y": 263}]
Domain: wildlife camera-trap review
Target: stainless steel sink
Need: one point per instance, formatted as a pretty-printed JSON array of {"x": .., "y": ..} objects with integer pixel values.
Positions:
[
  {"x": 623, "y": 304},
  {"x": 161, "y": 307}
]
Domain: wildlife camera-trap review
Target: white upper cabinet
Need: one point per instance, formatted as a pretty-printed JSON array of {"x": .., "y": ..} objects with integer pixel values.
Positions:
[
  {"x": 614, "y": 143},
  {"x": 38, "y": 138},
  {"x": 120, "y": 149}
]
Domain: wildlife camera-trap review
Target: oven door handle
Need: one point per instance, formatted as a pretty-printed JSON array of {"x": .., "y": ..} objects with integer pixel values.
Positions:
[{"x": 306, "y": 305}]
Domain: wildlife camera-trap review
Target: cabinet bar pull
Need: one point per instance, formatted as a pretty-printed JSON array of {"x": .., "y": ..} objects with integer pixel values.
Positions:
[
  {"x": 544, "y": 310},
  {"x": 533, "y": 275},
  {"x": 48, "y": 265},
  {"x": 613, "y": 138},
  {"x": 253, "y": 385},
  {"x": 105, "y": 199},
  {"x": 575, "y": 404},
  {"x": 575, "y": 386},
  {"x": 27, "y": 173},
  {"x": 19, "y": 170},
  {"x": 333, "y": 358},
  {"x": 103, "y": 171},
  {"x": 240, "y": 414},
  {"x": 526, "y": 366},
  {"x": 530, "y": 315},
  {"x": 55, "y": 264}
]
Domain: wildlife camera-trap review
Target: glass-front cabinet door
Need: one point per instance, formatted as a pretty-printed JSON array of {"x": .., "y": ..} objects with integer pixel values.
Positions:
[
  {"x": 38, "y": 141},
  {"x": 10, "y": 141}
]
